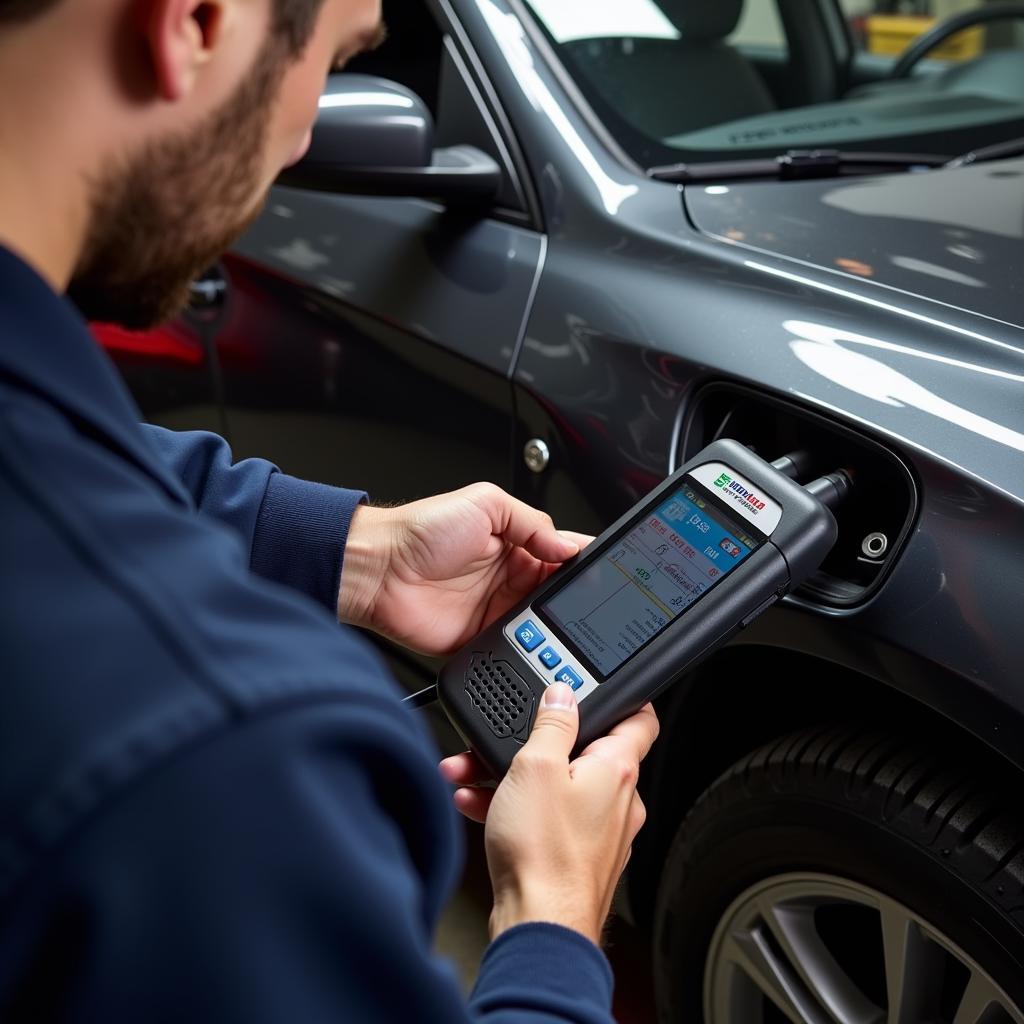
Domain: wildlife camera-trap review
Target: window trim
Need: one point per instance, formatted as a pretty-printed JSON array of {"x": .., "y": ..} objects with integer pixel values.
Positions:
[
  {"x": 468, "y": 63},
  {"x": 572, "y": 91}
]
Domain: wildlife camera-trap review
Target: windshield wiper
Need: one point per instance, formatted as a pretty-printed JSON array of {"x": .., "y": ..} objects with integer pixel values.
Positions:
[
  {"x": 796, "y": 165},
  {"x": 997, "y": 151}
]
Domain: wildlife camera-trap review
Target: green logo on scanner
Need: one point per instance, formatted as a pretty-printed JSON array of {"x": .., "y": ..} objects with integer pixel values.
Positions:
[{"x": 738, "y": 492}]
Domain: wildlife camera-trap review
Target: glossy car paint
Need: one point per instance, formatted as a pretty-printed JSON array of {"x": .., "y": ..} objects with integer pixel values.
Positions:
[
  {"x": 384, "y": 343},
  {"x": 955, "y": 238}
]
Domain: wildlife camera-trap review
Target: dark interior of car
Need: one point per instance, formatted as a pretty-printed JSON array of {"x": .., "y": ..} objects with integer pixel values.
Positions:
[{"x": 644, "y": 88}]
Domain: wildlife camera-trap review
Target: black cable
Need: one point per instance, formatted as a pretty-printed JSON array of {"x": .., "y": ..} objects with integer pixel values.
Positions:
[
  {"x": 793, "y": 465},
  {"x": 831, "y": 490},
  {"x": 422, "y": 698}
]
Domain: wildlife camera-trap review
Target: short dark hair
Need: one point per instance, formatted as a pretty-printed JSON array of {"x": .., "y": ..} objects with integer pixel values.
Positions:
[{"x": 292, "y": 21}]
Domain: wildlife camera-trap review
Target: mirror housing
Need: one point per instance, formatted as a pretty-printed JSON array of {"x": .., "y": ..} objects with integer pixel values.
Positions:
[{"x": 375, "y": 137}]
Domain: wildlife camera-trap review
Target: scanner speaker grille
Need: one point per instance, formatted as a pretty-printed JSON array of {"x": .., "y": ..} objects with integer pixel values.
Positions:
[{"x": 499, "y": 693}]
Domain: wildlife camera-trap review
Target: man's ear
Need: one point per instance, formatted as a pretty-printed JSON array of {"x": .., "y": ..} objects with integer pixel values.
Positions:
[{"x": 181, "y": 35}]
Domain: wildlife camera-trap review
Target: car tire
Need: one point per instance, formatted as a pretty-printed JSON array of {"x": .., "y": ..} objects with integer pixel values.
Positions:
[{"x": 843, "y": 875}]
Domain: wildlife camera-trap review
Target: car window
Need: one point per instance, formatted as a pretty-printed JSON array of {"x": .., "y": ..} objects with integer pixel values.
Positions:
[
  {"x": 759, "y": 27},
  {"x": 703, "y": 80}
]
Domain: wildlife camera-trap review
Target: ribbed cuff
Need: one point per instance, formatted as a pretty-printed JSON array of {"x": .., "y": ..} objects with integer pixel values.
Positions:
[
  {"x": 545, "y": 968},
  {"x": 300, "y": 535}
]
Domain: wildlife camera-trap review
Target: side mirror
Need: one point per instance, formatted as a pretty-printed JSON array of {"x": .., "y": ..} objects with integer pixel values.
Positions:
[{"x": 374, "y": 137}]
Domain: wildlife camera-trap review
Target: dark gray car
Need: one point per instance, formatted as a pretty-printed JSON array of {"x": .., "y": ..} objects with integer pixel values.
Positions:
[{"x": 606, "y": 268}]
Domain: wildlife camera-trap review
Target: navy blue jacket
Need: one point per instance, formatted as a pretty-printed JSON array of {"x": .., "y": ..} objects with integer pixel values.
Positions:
[{"x": 213, "y": 806}]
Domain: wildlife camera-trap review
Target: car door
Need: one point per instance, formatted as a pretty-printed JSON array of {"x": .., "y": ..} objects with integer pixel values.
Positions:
[{"x": 368, "y": 341}]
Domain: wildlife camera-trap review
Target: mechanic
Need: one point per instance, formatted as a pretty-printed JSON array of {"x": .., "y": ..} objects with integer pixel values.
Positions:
[{"x": 212, "y": 804}]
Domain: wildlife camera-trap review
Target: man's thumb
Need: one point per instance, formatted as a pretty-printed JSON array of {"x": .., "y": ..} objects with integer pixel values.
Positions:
[{"x": 557, "y": 723}]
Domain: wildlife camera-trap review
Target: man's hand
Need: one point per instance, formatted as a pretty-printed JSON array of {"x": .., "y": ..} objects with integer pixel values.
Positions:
[
  {"x": 433, "y": 573},
  {"x": 559, "y": 832}
]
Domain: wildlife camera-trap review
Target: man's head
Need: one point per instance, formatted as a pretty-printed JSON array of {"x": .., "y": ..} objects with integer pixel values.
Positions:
[{"x": 195, "y": 106}]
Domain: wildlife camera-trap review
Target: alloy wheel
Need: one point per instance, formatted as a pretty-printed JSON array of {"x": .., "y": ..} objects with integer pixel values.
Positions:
[{"x": 819, "y": 949}]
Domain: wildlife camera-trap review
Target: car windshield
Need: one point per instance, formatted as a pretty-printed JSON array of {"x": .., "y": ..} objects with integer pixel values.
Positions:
[{"x": 706, "y": 80}]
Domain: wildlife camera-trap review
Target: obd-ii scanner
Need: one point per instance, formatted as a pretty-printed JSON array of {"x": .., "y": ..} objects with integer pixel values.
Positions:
[{"x": 694, "y": 562}]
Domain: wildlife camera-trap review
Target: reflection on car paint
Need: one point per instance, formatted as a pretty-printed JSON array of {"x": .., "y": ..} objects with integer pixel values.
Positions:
[
  {"x": 889, "y": 307},
  {"x": 876, "y": 380},
  {"x": 509, "y": 33}
]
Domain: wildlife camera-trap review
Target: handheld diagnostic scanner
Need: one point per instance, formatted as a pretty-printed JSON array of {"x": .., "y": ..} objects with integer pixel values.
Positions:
[{"x": 695, "y": 561}]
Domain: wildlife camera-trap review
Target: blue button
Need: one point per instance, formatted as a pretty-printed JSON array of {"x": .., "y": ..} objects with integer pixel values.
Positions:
[
  {"x": 550, "y": 657},
  {"x": 568, "y": 675},
  {"x": 529, "y": 636}
]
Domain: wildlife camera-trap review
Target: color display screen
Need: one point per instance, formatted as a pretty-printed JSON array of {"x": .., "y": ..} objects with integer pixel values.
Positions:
[{"x": 668, "y": 560}]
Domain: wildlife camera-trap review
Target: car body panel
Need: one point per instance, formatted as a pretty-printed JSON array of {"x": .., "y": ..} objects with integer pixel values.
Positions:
[
  {"x": 954, "y": 238},
  {"x": 391, "y": 341},
  {"x": 460, "y": 282}
]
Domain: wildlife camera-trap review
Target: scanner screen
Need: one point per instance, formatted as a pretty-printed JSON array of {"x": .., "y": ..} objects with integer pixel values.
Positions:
[{"x": 664, "y": 563}]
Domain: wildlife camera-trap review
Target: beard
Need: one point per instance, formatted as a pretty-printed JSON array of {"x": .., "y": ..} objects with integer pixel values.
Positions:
[{"x": 167, "y": 213}]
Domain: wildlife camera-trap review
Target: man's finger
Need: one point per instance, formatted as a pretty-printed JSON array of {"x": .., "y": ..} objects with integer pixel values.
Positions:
[
  {"x": 641, "y": 728},
  {"x": 580, "y": 539},
  {"x": 473, "y": 803},
  {"x": 529, "y": 528},
  {"x": 464, "y": 770},
  {"x": 556, "y": 726},
  {"x": 638, "y": 732}
]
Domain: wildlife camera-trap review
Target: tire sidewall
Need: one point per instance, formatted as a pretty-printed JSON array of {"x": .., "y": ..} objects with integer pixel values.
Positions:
[{"x": 717, "y": 857}]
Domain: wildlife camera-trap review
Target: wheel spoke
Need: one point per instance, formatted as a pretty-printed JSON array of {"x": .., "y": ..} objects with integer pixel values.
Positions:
[
  {"x": 911, "y": 965},
  {"x": 793, "y": 928},
  {"x": 980, "y": 994},
  {"x": 750, "y": 953}
]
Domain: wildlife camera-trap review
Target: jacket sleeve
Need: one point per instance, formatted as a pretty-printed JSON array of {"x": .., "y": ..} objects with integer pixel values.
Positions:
[
  {"x": 291, "y": 869},
  {"x": 294, "y": 530}
]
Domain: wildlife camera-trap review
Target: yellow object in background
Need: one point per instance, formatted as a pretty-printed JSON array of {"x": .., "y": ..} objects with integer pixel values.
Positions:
[{"x": 891, "y": 34}]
